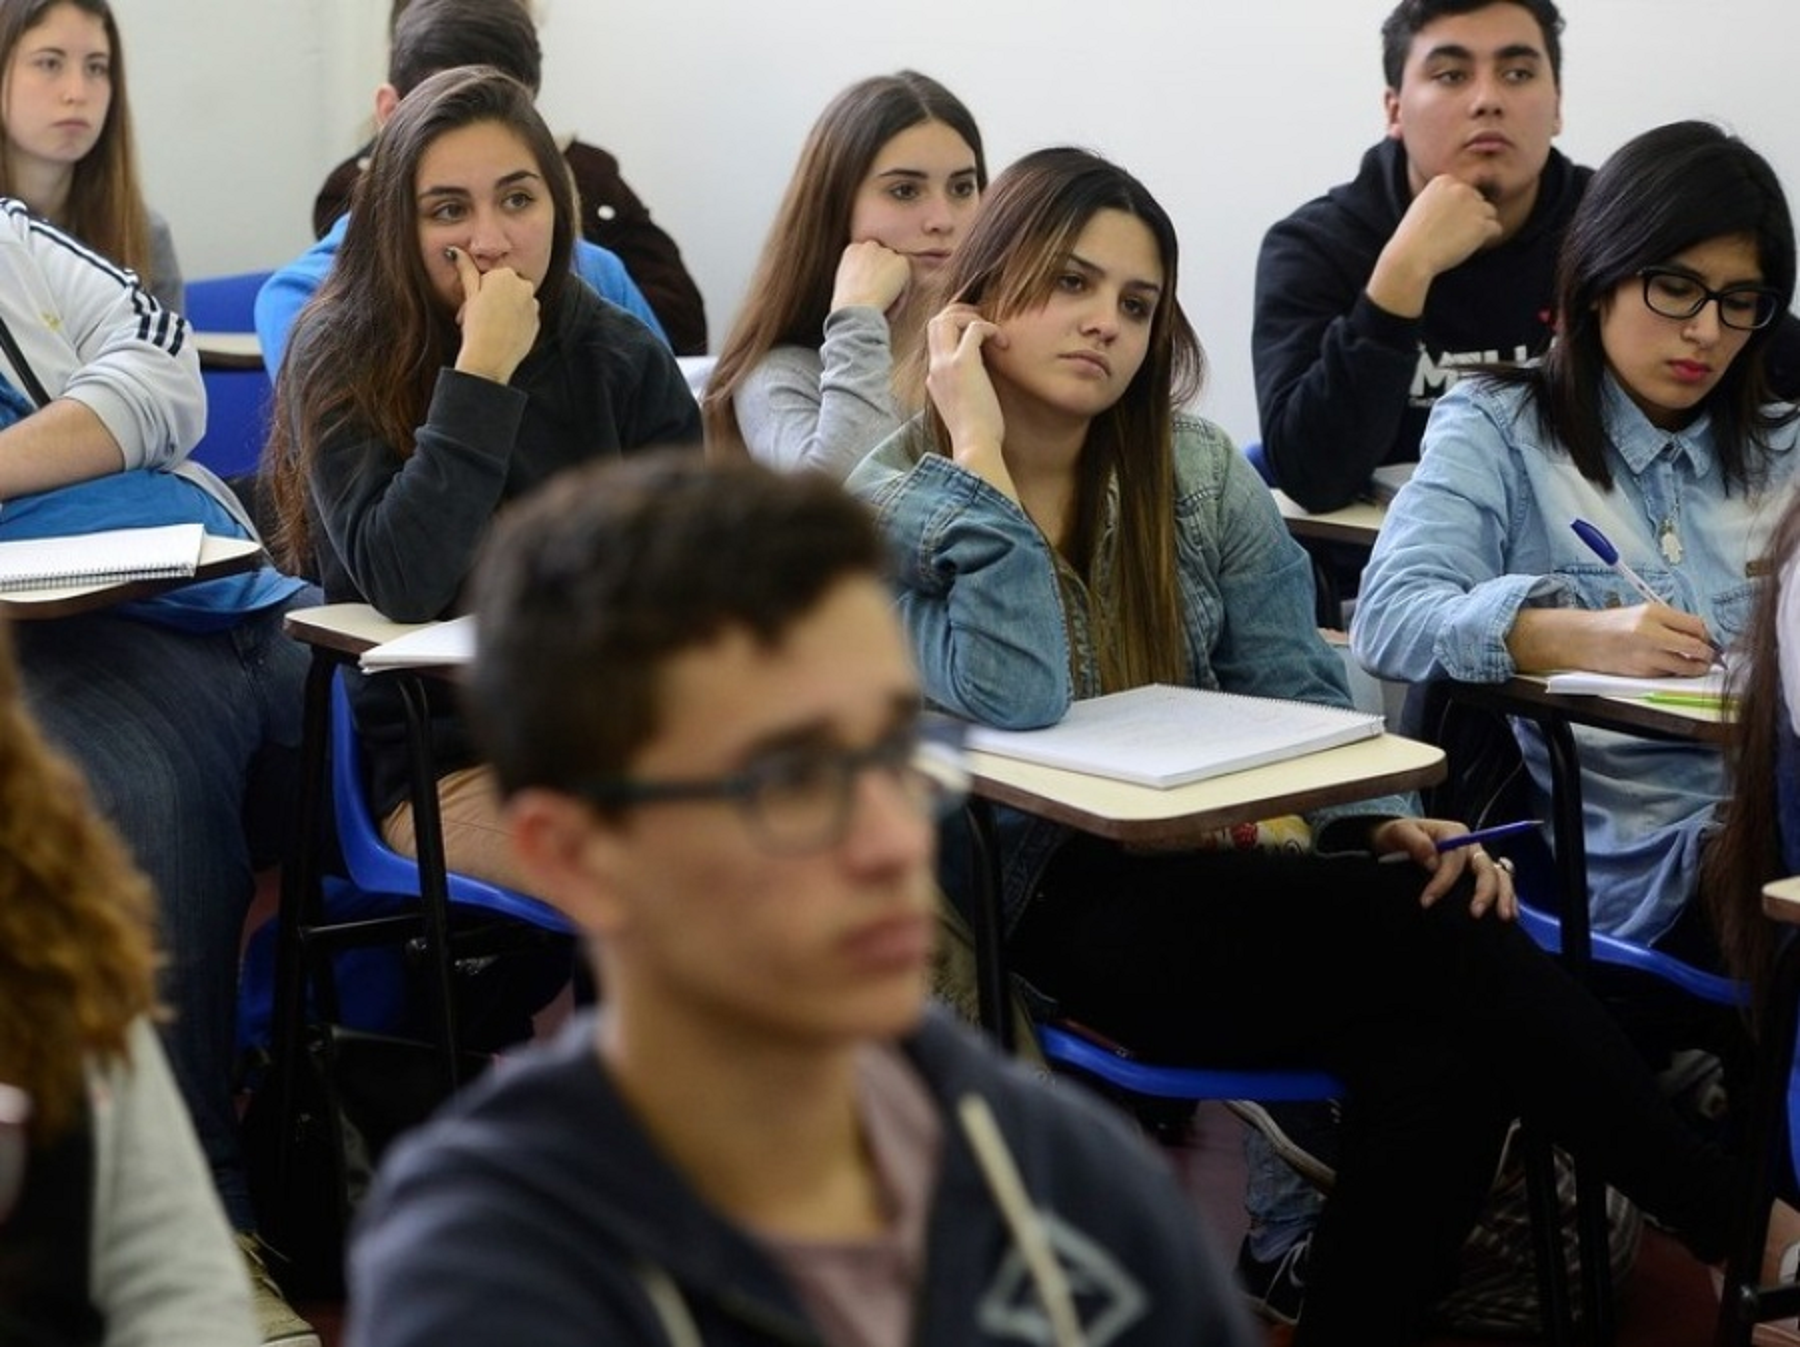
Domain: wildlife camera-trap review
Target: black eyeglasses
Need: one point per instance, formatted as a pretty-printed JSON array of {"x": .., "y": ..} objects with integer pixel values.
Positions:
[
  {"x": 802, "y": 801},
  {"x": 1676, "y": 294}
]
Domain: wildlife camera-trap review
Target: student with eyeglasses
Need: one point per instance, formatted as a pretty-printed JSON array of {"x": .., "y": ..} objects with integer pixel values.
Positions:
[
  {"x": 703, "y": 715},
  {"x": 1651, "y": 418}
]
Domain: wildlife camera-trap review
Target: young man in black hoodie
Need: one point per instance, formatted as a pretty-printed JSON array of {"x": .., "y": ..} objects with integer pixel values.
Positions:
[
  {"x": 698, "y": 700},
  {"x": 1440, "y": 254}
]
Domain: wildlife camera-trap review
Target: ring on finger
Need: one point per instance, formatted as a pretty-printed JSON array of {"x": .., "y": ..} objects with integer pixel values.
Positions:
[{"x": 1505, "y": 863}]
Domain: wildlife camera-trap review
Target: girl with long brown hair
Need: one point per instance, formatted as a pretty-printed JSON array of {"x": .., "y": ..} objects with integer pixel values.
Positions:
[
  {"x": 67, "y": 149},
  {"x": 887, "y": 182},
  {"x": 448, "y": 364},
  {"x": 1061, "y": 530}
]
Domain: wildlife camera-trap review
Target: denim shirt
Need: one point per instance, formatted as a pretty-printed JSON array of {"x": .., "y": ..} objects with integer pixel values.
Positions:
[
  {"x": 982, "y": 597},
  {"x": 1482, "y": 531}
]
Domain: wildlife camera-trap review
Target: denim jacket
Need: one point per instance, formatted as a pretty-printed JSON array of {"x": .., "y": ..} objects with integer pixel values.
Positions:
[
  {"x": 1482, "y": 531},
  {"x": 981, "y": 594}
]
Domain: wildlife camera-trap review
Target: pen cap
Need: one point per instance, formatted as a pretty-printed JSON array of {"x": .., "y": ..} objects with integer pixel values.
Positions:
[{"x": 1597, "y": 541}]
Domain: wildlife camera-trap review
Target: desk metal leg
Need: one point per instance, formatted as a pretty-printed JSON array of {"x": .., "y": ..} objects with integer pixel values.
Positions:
[
  {"x": 301, "y": 909},
  {"x": 988, "y": 923},
  {"x": 434, "y": 883},
  {"x": 1577, "y": 953}
]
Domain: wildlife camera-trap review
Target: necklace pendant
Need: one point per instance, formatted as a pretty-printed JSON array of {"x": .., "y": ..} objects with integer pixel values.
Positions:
[{"x": 1669, "y": 542}]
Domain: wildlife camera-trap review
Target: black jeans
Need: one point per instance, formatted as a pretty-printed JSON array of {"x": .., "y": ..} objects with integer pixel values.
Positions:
[{"x": 1442, "y": 1026}]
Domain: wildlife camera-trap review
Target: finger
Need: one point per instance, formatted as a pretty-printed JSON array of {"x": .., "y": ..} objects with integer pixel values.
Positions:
[
  {"x": 977, "y": 332},
  {"x": 1448, "y": 868},
  {"x": 1507, "y": 907},
  {"x": 1490, "y": 881},
  {"x": 466, "y": 271}
]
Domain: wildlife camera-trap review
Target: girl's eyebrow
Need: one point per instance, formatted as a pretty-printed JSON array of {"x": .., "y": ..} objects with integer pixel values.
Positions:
[
  {"x": 521, "y": 175},
  {"x": 1081, "y": 264}
]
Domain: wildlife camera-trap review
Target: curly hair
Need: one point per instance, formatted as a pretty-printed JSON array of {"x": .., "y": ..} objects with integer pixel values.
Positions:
[{"x": 77, "y": 960}]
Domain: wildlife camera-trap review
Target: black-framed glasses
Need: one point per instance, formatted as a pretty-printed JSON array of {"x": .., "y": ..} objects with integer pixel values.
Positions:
[
  {"x": 1676, "y": 294},
  {"x": 802, "y": 800}
]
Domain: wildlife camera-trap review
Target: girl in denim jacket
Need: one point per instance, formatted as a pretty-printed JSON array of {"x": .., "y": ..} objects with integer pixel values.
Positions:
[
  {"x": 1650, "y": 418},
  {"x": 1058, "y": 532}
]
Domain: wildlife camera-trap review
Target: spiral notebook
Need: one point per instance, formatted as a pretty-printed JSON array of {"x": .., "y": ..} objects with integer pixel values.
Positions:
[
  {"x": 1170, "y": 736},
  {"x": 112, "y": 556}
]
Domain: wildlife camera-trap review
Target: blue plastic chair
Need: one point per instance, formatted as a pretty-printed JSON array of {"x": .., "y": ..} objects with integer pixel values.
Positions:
[
  {"x": 369, "y": 980},
  {"x": 1069, "y": 1050},
  {"x": 1259, "y": 460},
  {"x": 375, "y": 867},
  {"x": 238, "y": 400}
]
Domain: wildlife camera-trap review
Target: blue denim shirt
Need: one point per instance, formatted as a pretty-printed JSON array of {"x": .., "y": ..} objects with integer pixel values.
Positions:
[
  {"x": 983, "y": 601},
  {"x": 1482, "y": 530}
]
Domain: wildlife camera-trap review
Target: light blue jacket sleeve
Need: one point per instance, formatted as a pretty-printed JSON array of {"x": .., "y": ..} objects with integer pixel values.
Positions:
[
  {"x": 285, "y": 293},
  {"x": 606, "y": 273},
  {"x": 1439, "y": 596},
  {"x": 977, "y": 587}
]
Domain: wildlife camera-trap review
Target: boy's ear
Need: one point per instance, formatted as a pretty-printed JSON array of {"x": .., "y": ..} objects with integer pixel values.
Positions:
[
  {"x": 568, "y": 857},
  {"x": 387, "y": 98}
]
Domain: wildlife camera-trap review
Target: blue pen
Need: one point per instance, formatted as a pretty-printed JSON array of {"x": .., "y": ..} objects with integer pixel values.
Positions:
[
  {"x": 1493, "y": 834},
  {"x": 1602, "y": 547}
]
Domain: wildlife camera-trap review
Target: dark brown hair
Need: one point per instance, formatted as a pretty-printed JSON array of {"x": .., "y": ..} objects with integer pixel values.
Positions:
[
  {"x": 590, "y": 585},
  {"x": 790, "y": 292},
  {"x": 1661, "y": 193},
  {"x": 368, "y": 346},
  {"x": 1746, "y": 852},
  {"x": 1020, "y": 243}
]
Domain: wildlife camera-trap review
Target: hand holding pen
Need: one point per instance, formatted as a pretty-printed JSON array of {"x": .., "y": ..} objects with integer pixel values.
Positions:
[{"x": 1601, "y": 546}]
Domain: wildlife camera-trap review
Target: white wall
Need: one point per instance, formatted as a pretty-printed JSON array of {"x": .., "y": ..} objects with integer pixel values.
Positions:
[{"x": 1232, "y": 114}]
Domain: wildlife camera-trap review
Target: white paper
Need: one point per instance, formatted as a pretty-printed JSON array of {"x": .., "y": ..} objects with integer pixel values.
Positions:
[
  {"x": 1169, "y": 736},
  {"x": 434, "y": 645},
  {"x": 1709, "y": 684}
]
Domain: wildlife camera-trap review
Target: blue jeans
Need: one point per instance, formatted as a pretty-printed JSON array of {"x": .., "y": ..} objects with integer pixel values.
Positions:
[
  {"x": 1283, "y": 1207},
  {"x": 190, "y": 745}
]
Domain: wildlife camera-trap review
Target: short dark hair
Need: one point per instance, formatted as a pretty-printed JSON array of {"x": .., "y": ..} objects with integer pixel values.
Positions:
[
  {"x": 588, "y": 586},
  {"x": 1400, "y": 28},
  {"x": 434, "y": 35}
]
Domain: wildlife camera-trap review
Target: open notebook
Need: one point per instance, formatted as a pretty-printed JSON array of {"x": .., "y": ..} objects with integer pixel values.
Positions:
[
  {"x": 113, "y": 556},
  {"x": 1169, "y": 736}
]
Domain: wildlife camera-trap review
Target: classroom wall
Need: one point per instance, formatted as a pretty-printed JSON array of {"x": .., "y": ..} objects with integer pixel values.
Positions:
[{"x": 1231, "y": 114}]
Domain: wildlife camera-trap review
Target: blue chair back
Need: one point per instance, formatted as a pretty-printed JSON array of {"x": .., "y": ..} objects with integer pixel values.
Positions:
[
  {"x": 224, "y": 303},
  {"x": 238, "y": 401},
  {"x": 374, "y": 866}
]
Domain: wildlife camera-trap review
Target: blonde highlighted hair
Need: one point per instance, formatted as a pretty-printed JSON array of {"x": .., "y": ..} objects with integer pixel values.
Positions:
[{"x": 1030, "y": 221}]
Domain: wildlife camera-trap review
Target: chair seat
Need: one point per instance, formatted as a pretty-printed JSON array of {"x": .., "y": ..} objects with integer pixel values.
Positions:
[{"x": 1065, "y": 1048}]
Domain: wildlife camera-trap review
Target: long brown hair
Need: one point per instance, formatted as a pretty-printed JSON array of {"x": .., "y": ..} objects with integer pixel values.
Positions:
[
  {"x": 106, "y": 203},
  {"x": 1746, "y": 852},
  {"x": 368, "y": 346},
  {"x": 1028, "y": 226},
  {"x": 76, "y": 960},
  {"x": 790, "y": 292}
]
